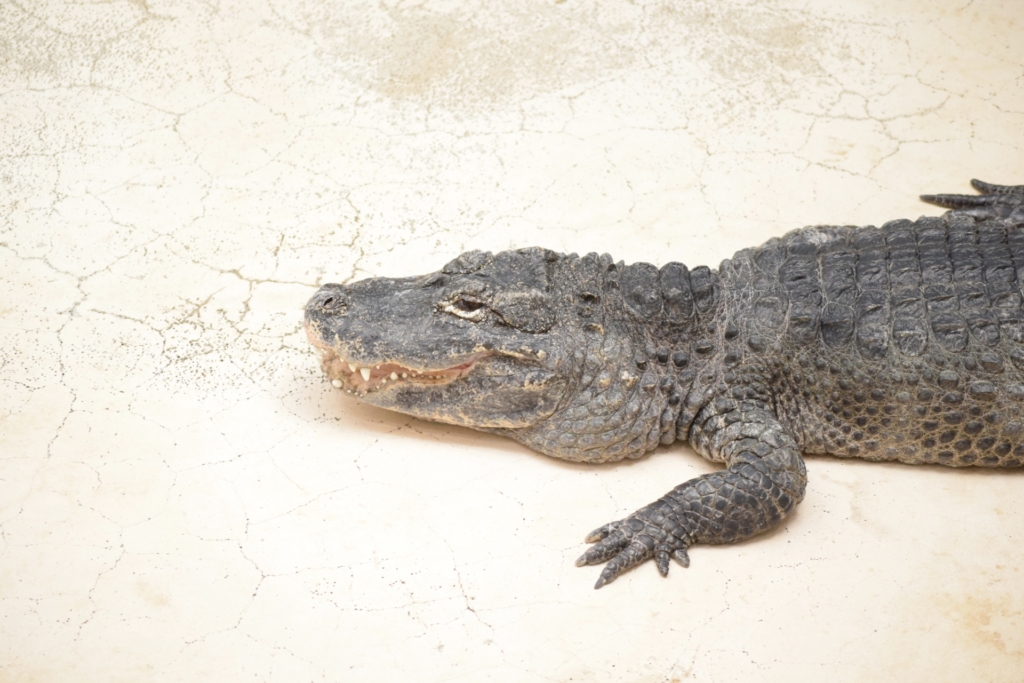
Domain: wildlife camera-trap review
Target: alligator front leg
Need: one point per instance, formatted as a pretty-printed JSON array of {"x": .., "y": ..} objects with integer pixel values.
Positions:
[{"x": 764, "y": 481}]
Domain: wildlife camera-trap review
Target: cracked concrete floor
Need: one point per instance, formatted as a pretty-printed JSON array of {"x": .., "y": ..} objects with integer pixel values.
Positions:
[{"x": 182, "y": 497}]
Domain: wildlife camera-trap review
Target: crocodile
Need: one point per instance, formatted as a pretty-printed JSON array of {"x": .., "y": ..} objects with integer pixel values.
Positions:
[{"x": 899, "y": 343}]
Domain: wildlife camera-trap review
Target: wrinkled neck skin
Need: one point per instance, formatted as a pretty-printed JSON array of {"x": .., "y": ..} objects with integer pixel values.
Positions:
[{"x": 639, "y": 341}]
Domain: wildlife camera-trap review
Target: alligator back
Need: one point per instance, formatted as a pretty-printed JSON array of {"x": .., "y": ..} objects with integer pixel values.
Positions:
[{"x": 908, "y": 340}]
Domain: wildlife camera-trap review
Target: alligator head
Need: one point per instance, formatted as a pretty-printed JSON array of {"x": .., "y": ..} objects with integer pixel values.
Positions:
[{"x": 528, "y": 343}]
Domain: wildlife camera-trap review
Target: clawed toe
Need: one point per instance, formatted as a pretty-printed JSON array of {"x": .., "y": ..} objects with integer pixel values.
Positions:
[
  {"x": 627, "y": 543},
  {"x": 601, "y": 532},
  {"x": 992, "y": 188},
  {"x": 995, "y": 201}
]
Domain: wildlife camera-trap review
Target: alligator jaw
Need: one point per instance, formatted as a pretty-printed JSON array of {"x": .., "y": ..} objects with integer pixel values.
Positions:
[{"x": 360, "y": 380}]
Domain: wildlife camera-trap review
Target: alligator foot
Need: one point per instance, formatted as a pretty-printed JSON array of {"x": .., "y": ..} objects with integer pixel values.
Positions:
[
  {"x": 1004, "y": 202},
  {"x": 651, "y": 532}
]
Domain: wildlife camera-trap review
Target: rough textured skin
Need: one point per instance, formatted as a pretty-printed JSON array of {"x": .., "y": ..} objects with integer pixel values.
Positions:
[{"x": 904, "y": 342}]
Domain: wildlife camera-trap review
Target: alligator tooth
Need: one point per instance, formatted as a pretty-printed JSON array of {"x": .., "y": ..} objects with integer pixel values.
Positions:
[
  {"x": 336, "y": 383},
  {"x": 405, "y": 375},
  {"x": 394, "y": 376},
  {"x": 352, "y": 368},
  {"x": 365, "y": 372},
  {"x": 383, "y": 380}
]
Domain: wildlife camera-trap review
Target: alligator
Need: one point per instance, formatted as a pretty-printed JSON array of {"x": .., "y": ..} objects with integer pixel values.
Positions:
[{"x": 904, "y": 342}]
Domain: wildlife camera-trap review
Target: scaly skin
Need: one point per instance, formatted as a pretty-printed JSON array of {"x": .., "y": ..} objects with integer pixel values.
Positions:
[{"x": 904, "y": 342}]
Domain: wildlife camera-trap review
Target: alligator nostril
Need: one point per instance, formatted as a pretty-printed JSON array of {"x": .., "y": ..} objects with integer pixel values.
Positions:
[
  {"x": 333, "y": 304},
  {"x": 330, "y": 300}
]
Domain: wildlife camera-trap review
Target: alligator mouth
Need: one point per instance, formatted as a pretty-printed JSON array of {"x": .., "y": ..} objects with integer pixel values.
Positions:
[{"x": 360, "y": 380}]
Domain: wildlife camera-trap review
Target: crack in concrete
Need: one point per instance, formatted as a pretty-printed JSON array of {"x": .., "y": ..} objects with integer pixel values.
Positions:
[{"x": 760, "y": 83}]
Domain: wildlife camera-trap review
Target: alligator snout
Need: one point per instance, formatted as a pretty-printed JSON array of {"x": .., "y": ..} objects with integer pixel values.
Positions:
[{"x": 331, "y": 299}]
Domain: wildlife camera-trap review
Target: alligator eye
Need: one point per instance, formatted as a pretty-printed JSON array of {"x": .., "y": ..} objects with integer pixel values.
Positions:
[
  {"x": 467, "y": 306},
  {"x": 470, "y": 309}
]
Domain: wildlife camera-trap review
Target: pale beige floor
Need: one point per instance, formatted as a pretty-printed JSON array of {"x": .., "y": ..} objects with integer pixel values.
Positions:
[{"x": 183, "y": 498}]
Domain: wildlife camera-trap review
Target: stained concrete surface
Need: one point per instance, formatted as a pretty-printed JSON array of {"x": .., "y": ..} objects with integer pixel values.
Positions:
[{"x": 183, "y": 497}]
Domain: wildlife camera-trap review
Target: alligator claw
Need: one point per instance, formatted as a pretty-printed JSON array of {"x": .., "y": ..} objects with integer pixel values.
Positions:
[
  {"x": 992, "y": 188},
  {"x": 629, "y": 542},
  {"x": 661, "y": 560},
  {"x": 602, "y": 532},
  {"x": 598, "y": 554},
  {"x": 995, "y": 201}
]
